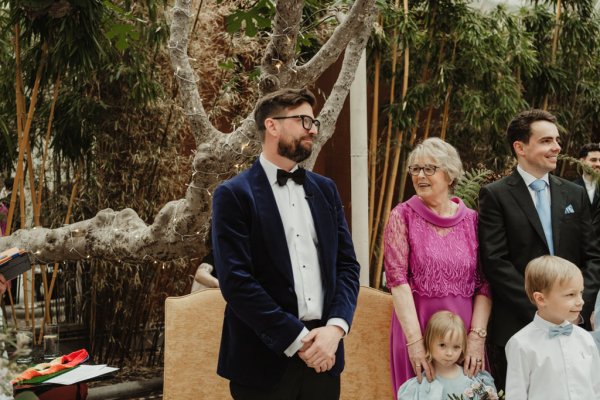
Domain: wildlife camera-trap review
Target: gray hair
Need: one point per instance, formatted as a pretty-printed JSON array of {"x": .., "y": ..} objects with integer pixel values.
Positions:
[{"x": 444, "y": 154}]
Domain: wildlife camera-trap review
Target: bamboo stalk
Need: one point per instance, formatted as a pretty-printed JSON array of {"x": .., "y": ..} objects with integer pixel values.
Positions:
[
  {"x": 12, "y": 307},
  {"x": 398, "y": 149},
  {"x": 23, "y": 146},
  {"x": 446, "y": 112},
  {"x": 24, "y": 142},
  {"x": 415, "y": 128},
  {"x": 42, "y": 171},
  {"x": 25, "y": 288},
  {"x": 388, "y": 203},
  {"x": 555, "y": 37},
  {"x": 38, "y": 203},
  {"x": 404, "y": 91},
  {"x": 428, "y": 122},
  {"x": 67, "y": 220},
  {"x": 384, "y": 172},
  {"x": 20, "y": 112},
  {"x": 373, "y": 140}
]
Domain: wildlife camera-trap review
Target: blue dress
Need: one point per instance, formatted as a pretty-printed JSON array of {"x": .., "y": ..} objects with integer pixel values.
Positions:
[{"x": 441, "y": 388}]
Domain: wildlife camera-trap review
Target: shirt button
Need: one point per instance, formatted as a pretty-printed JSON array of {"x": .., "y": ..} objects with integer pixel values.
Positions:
[
  {"x": 290, "y": 289},
  {"x": 304, "y": 266},
  {"x": 309, "y": 299}
]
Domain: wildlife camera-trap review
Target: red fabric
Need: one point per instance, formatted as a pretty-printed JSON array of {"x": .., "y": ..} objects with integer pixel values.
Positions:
[
  {"x": 58, "y": 364},
  {"x": 77, "y": 391}
]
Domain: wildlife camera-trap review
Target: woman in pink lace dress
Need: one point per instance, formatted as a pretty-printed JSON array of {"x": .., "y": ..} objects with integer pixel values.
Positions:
[{"x": 431, "y": 264}]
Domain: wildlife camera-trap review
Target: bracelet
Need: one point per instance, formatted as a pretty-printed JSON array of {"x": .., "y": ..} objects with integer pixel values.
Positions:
[{"x": 414, "y": 341}]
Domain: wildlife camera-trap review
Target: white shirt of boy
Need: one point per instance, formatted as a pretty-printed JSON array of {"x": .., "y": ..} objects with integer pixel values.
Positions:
[{"x": 565, "y": 367}]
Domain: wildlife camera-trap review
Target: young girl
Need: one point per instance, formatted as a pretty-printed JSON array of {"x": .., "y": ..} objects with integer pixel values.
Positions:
[{"x": 445, "y": 342}]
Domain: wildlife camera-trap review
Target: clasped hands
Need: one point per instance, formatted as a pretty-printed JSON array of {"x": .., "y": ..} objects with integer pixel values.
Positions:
[{"x": 319, "y": 347}]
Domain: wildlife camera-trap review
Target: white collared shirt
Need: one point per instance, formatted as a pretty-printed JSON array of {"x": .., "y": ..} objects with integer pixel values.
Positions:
[
  {"x": 528, "y": 178},
  {"x": 590, "y": 187},
  {"x": 544, "y": 368},
  {"x": 303, "y": 243}
]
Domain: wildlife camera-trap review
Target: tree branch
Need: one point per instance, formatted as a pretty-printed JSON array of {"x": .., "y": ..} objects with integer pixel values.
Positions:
[
  {"x": 279, "y": 61},
  {"x": 180, "y": 225},
  {"x": 181, "y": 24},
  {"x": 335, "y": 101},
  {"x": 361, "y": 12}
]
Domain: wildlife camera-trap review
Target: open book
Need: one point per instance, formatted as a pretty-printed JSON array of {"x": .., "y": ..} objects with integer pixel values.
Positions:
[{"x": 13, "y": 262}]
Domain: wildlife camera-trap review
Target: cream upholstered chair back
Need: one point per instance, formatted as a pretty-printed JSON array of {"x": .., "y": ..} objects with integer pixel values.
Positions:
[
  {"x": 193, "y": 333},
  {"x": 193, "y": 326},
  {"x": 367, "y": 348}
]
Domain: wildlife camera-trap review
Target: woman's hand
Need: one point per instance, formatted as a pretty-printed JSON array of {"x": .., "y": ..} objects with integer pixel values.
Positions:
[
  {"x": 418, "y": 359},
  {"x": 474, "y": 355}
]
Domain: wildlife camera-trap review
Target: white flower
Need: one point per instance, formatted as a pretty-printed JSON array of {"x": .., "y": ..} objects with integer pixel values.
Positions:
[
  {"x": 469, "y": 393},
  {"x": 491, "y": 393}
]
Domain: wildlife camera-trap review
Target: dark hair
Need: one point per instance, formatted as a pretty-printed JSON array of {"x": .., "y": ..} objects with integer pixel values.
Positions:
[
  {"x": 586, "y": 148},
  {"x": 274, "y": 103},
  {"x": 519, "y": 129}
]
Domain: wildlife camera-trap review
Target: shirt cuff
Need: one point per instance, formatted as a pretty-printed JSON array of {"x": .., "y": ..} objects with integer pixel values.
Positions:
[
  {"x": 339, "y": 322},
  {"x": 296, "y": 344}
]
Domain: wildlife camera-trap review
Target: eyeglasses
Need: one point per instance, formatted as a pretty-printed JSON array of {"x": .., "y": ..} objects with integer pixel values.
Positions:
[
  {"x": 307, "y": 121},
  {"x": 428, "y": 170}
]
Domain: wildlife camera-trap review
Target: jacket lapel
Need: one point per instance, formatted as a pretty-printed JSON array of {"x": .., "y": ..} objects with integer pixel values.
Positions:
[
  {"x": 521, "y": 193},
  {"x": 323, "y": 218},
  {"x": 270, "y": 220},
  {"x": 558, "y": 196}
]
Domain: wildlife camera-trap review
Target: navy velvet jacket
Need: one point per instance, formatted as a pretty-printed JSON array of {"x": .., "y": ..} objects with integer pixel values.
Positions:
[{"x": 255, "y": 274}]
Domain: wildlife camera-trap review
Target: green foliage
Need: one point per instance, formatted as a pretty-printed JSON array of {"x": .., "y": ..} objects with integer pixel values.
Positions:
[
  {"x": 467, "y": 187},
  {"x": 253, "y": 19},
  {"x": 581, "y": 167},
  {"x": 485, "y": 67}
]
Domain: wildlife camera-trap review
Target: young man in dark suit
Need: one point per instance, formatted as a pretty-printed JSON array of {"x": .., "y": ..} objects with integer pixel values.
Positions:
[
  {"x": 285, "y": 263},
  {"x": 525, "y": 215},
  {"x": 589, "y": 154}
]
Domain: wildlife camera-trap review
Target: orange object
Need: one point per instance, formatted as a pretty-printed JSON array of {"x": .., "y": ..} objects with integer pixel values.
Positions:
[{"x": 58, "y": 364}]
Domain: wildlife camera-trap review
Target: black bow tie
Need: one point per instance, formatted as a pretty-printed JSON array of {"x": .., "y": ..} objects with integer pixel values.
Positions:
[{"x": 297, "y": 176}]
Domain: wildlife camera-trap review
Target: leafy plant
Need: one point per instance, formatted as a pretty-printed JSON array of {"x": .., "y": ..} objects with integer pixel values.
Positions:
[{"x": 467, "y": 187}]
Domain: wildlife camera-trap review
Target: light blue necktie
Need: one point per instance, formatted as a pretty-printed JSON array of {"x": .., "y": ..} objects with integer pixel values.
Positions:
[
  {"x": 543, "y": 209},
  {"x": 560, "y": 330}
]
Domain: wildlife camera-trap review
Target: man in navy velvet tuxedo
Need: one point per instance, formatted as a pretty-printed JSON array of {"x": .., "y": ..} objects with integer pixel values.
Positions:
[{"x": 285, "y": 263}]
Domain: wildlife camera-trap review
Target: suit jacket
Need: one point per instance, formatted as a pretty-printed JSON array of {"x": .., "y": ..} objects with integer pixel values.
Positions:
[
  {"x": 580, "y": 182},
  {"x": 255, "y": 274},
  {"x": 511, "y": 235}
]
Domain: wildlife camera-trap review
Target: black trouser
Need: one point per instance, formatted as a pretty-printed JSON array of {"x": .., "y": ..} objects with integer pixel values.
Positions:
[
  {"x": 498, "y": 365},
  {"x": 299, "y": 382}
]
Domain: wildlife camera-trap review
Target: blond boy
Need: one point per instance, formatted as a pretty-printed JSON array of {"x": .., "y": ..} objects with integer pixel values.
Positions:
[{"x": 552, "y": 358}]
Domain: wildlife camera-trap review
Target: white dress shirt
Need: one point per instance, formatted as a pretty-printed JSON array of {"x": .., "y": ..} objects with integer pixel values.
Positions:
[
  {"x": 303, "y": 244},
  {"x": 590, "y": 187},
  {"x": 544, "y": 368},
  {"x": 528, "y": 178}
]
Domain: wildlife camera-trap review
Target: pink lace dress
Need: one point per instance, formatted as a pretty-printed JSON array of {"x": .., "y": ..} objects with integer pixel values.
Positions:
[{"x": 437, "y": 257}]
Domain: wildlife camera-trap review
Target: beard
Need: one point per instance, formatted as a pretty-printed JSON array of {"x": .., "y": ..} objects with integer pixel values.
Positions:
[{"x": 294, "y": 150}]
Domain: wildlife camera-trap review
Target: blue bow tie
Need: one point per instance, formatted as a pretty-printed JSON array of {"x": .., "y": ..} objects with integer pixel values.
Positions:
[{"x": 560, "y": 330}]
